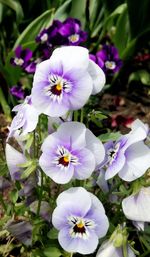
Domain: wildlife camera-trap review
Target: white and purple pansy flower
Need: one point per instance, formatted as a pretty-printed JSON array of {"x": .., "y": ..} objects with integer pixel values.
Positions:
[
  {"x": 81, "y": 220},
  {"x": 25, "y": 119},
  {"x": 128, "y": 157},
  {"x": 65, "y": 81},
  {"x": 136, "y": 207},
  {"x": 73, "y": 151}
]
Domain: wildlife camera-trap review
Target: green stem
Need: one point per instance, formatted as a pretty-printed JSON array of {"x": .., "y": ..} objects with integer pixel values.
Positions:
[
  {"x": 4, "y": 104},
  {"x": 75, "y": 115},
  {"x": 82, "y": 115},
  {"x": 2, "y": 202},
  {"x": 145, "y": 254},
  {"x": 71, "y": 254},
  {"x": 40, "y": 194}
]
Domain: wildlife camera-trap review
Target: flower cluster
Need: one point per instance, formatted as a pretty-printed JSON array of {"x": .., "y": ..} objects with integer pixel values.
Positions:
[{"x": 70, "y": 154}]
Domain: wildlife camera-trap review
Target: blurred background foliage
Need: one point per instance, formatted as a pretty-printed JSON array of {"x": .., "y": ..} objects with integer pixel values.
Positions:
[{"x": 127, "y": 23}]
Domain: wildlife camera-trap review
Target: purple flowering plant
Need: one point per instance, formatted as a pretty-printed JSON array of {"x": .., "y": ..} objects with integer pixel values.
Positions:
[{"x": 69, "y": 186}]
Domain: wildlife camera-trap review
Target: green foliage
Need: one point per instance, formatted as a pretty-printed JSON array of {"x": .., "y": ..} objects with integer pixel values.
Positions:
[
  {"x": 32, "y": 30},
  {"x": 141, "y": 75},
  {"x": 15, "y": 6},
  {"x": 109, "y": 136}
]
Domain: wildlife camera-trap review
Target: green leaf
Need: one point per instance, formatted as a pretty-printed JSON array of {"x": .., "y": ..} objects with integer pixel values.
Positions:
[
  {"x": 78, "y": 10},
  {"x": 109, "y": 136},
  {"x": 16, "y": 6},
  {"x": 53, "y": 234},
  {"x": 31, "y": 166},
  {"x": 52, "y": 251},
  {"x": 33, "y": 29},
  {"x": 63, "y": 11},
  {"x": 14, "y": 196},
  {"x": 141, "y": 75},
  {"x": 121, "y": 36},
  {"x": 138, "y": 16}
]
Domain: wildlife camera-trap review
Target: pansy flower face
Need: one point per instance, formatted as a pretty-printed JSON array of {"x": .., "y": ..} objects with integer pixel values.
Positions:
[
  {"x": 71, "y": 152},
  {"x": 129, "y": 156},
  {"x": 80, "y": 219},
  {"x": 65, "y": 81},
  {"x": 25, "y": 119},
  {"x": 108, "y": 59}
]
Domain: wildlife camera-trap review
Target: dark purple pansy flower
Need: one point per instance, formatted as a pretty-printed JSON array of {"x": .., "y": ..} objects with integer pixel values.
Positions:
[
  {"x": 50, "y": 36},
  {"x": 17, "y": 91},
  {"x": 22, "y": 57},
  {"x": 108, "y": 59},
  {"x": 71, "y": 31}
]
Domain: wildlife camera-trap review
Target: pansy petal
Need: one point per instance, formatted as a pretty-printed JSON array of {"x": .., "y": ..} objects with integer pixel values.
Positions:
[
  {"x": 115, "y": 166},
  {"x": 31, "y": 119},
  {"x": 78, "y": 195},
  {"x": 72, "y": 56},
  {"x": 137, "y": 162},
  {"x": 86, "y": 164},
  {"x": 95, "y": 146},
  {"x": 77, "y": 244},
  {"x": 14, "y": 158},
  {"x": 73, "y": 132},
  {"x": 59, "y": 175},
  {"x": 137, "y": 207},
  {"x": 98, "y": 77}
]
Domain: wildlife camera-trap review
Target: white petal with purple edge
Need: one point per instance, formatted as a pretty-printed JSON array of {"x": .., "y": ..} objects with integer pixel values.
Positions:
[
  {"x": 72, "y": 56},
  {"x": 73, "y": 132},
  {"x": 137, "y": 207},
  {"x": 78, "y": 195},
  {"x": 95, "y": 146},
  {"x": 98, "y": 77},
  {"x": 137, "y": 162}
]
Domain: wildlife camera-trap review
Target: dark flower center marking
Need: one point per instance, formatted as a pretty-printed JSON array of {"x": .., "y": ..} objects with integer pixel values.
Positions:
[
  {"x": 64, "y": 160},
  {"x": 56, "y": 89},
  {"x": 79, "y": 228}
]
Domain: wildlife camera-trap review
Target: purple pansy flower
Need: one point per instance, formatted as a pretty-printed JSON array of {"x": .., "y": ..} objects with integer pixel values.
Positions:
[
  {"x": 17, "y": 91},
  {"x": 108, "y": 59},
  {"x": 50, "y": 36},
  {"x": 65, "y": 81},
  {"x": 22, "y": 57},
  {"x": 81, "y": 220},
  {"x": 71, "y": 152},
  {"x": 72, "y": 33},
  {"x": 25, "y": 119},
  {"x": 129, "y": 156},
  {"x": 136, "y": 207}
]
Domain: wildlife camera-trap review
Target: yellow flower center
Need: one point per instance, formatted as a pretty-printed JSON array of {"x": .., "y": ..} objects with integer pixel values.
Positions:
[
  {"x": 74, "y": 38},
  {"x": 66, "y": 158},
  {"x": 58, "y": 87},
  {"x": 80, "y": 224}
]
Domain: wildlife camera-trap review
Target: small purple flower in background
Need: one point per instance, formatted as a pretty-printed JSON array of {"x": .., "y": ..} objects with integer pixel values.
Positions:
[
  {"x": 50, "y": 36},
  {"x": 21, "y": 230},
  {"x": 65, "y": 81},
  {"x": 62, "y": 33},
  {"x": 71, "y": 152},
  {"x": 25, "y": 119},
  {"x": 136, "y": 207},
  {"x": 14, "y": 158},
  {"x": 22, "y": 57},
  {"x": 81, "y": 220},
  {"x": 45, "y": 211},
  {"x": 108, "y": 59},
  {"x": 129, "y": 156},
  {"x": 72, "y": 33},
  {"x": 17, "y": 91}
]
